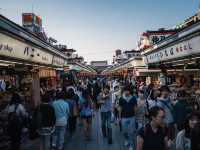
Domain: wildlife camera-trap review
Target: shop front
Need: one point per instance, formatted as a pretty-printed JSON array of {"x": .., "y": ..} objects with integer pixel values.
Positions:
[
  {"x": 20, "y": 59},
  {"x": 178, "y": 59},
  {"x": 24, "y": 61}
]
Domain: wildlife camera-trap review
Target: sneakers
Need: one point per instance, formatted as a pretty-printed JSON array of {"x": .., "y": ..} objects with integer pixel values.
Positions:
[
  {"x": 110, "y": 141},
  {"x": 130, "y": 148}
]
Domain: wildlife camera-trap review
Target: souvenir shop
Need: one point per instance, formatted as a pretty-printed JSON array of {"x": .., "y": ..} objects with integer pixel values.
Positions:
[
  {"x": 178, "y": 58},
  {"x": 22, "y": 55}
]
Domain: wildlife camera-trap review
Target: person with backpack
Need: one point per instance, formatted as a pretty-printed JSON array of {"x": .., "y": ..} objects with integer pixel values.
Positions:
[
  {"x": 62, "y": 111},
  {"x": 153, "y": 136},
  {"x": 45, "y": 120},
  {"x": 16, "y": 117},
  {"x": 127, "y": 110},
  {"x": 86, "y": 113}
]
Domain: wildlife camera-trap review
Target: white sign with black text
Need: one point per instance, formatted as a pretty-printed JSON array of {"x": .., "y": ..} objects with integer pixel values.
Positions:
[
  {"x": 58, "y": 61},
  {"x": 181, "y": 49},
  {"x": 13, "y": 48}
]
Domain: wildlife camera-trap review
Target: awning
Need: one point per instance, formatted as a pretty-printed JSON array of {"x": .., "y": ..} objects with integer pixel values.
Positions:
[{"x": 75, "y": 67}]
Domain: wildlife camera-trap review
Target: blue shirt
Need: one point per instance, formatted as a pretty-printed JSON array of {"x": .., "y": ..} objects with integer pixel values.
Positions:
[{"x": 61, "y": 111}]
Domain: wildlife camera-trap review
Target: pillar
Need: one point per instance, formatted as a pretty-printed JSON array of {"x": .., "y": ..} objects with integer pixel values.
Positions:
[{"x": 36, "y": 89}]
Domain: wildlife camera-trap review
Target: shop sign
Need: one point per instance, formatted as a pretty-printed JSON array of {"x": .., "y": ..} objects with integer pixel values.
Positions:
[
  {"x": 179, "y": 50},
  {"x": 58, "y": 61},
  {"x": 44, "y": 73},
  {"x": 66, "y": 68},
  {"x": 19, "y": 50},
  {"x": 154, "y": 39}
]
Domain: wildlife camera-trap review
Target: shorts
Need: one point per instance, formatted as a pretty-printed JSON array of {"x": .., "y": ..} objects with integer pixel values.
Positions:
[{"x": 87, "y": 118}]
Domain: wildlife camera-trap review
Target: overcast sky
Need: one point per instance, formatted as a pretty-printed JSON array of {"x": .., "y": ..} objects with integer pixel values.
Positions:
[{"x": 96, "y": 28}]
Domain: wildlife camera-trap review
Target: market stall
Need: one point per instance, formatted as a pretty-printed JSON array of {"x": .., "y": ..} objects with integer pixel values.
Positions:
[{"x": 178, "y": 58}]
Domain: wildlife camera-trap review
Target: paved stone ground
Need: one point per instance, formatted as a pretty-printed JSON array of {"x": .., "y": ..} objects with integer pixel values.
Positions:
[{"x": 97, "y": 142}]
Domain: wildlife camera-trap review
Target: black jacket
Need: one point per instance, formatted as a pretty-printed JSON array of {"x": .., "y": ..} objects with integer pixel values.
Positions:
[{"x": 47, "y": 114}]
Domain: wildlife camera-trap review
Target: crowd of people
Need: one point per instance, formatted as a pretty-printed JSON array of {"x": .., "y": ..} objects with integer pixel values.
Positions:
[{"x": 149, "y": 118}]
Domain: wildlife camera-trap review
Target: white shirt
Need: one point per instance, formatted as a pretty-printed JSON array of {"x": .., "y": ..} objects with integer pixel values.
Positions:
[{"x": 182, "y": 142}]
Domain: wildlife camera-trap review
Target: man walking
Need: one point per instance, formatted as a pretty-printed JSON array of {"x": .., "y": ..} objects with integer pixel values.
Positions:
[
  {"x": 45, "y": 125},
  {"x": 62, "y": 113},
  {"x": 105, "y": 100},
  {"x": 127, "y": 108}
]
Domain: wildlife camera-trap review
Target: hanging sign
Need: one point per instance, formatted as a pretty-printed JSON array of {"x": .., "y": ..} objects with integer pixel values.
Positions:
[{"x": 58, "y": 61}]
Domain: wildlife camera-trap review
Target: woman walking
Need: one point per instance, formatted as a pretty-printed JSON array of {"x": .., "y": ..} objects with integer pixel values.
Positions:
[
  {"x": 142, "y": 110},
  {"x": 86, "y": 114},
  {"x": 186, "y": 139}
]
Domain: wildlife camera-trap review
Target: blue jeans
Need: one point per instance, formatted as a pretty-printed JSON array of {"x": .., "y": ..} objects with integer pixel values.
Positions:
[
  {"x": 45, "y": 137},
  {"x": 129, "y": 130},
  {"x": 106, "y": 124},
  {"x": 59, "y": 137},
  {"x": 140, "y": 125}
]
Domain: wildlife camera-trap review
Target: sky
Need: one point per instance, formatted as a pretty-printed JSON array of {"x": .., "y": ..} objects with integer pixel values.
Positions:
[{"x": 96, "y": 28}]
